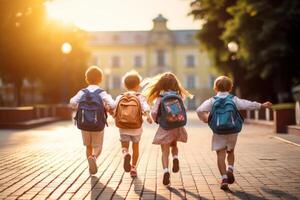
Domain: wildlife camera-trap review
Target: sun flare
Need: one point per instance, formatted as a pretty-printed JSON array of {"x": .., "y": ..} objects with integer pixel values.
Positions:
[{"x": 103, "y": 15}]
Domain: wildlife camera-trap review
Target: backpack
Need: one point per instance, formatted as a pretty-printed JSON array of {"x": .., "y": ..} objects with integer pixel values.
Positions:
[
  {"x": 128, "y": 113},
  {"x": 171, "y": 112},
  {"x": 91, "y": 114},
  {"x": 224, "y": 117}
]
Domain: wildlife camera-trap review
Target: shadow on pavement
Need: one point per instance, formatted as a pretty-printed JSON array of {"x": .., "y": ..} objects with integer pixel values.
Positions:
[
  {"x": 100, "y": 191},
  {"x": 275, "y": 193},
  {"x": 196, "y": 196},
  {"x": 139, "y": 190},
  {"x": 279, "y": 193}
]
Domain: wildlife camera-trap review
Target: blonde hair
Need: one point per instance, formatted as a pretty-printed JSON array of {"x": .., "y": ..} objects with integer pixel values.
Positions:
[
  {"x": 93, "y": 75},
  {"x": 131, "y": 79},
  {"x": 223, "y": 84},
  {"x": 162, "y": 83}
]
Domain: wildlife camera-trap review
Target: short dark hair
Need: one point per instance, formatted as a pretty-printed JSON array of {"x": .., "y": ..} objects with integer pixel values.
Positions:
[
  {"x": 223, "y": 84},
  {"x": 131, "y": 80},
  {"x": 93, "y": 75}
]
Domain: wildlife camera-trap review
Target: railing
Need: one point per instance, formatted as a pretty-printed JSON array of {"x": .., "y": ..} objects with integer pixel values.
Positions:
[{"x": 279, "y": 117}]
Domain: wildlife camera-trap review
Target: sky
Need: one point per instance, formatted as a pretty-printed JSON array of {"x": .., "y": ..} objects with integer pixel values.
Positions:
[{"x": 116, "y": 15}]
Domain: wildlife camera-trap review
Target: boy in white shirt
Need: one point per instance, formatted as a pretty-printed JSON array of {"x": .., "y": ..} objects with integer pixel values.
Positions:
[
  {"x": 226, "y": 143},
  {"x": 130, "y": 107},
  {"x": 93, "y": 140}
]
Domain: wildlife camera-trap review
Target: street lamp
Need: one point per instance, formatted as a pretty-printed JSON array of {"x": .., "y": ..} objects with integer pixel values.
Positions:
[
  {"x": 233, "y": 47},
  {"x": 66, "y": 49}
]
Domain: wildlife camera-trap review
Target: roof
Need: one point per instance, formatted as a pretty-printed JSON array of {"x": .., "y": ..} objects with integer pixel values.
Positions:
[{"x": 180, "y": 37}]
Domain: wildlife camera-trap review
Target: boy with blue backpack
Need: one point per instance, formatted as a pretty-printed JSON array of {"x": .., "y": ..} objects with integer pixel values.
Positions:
[
  {"x": 222, "y": 115},
  {"x": 92, "y": 103}
]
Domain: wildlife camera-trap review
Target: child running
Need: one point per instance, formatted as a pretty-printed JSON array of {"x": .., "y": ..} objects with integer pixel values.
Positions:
[
  {"x": 221, "y": 112},
  {"x": 170, "y": 114},
  {"x": 128, "y": 117},
  {"x": 91, "y": 103}
]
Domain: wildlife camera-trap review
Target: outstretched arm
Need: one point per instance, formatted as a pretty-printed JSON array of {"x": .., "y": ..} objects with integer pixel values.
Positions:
[{"x": 204, "y": 109}]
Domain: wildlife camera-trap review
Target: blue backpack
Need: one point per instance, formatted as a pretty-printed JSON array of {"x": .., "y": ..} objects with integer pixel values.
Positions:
[
  {"x": 171, "y": 112},
  {"x": 224, "y": 117},
  {"x": 91, "y": 114}
]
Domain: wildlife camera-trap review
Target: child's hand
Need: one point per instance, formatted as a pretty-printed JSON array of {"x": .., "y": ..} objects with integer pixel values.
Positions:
[
  {"x": 111, "y": 112},
  {"x": 203, "y": 116},
  {"x": 149, "y": 120},
  {"x": 266, "y": 105},
  {"x": 205, "y": 119}
]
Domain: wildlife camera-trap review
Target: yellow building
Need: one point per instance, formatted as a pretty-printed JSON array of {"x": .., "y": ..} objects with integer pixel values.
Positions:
[{"x": 152, "y": 52}]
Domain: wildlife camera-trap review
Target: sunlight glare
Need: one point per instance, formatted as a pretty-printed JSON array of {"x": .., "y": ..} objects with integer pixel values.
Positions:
[{"x": 101, "y": 15}]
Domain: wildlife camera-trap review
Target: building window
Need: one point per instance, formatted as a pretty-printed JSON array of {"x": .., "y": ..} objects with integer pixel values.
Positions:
[
  {"x": 191, "y": 81},
  {"x": 116, "y": 82},
  {"x": 138, "y": 61},
  {"x": 161, "y": 58},
  {"x": 190, "y": 61},
  {"x": 189, "y": 38},
  {"x": 115, "y": 61}
]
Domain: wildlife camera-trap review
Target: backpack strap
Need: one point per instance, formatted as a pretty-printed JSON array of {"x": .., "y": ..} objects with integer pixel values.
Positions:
[
  {"x": 98, "y": 91},
  {"x": 85, "y": 91}
]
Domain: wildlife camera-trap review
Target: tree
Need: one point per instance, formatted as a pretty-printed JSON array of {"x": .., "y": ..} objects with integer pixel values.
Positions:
[
  {"x": 266, "y": 64},
  {"x": 30, "y": 48}
]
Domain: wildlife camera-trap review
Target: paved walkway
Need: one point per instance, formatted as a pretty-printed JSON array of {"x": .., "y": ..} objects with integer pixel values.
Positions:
[{"x": 49, "y": 163}]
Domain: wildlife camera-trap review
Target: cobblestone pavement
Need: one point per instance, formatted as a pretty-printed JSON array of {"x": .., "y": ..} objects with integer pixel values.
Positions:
[{"x": 49, "y": 163}]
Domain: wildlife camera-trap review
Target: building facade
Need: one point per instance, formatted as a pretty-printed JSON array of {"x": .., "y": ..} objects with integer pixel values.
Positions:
[{"x": 150, "y": 52}]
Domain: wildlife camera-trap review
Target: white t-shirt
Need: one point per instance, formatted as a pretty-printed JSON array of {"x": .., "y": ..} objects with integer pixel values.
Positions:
[
  {"x": 241, "y": 104},
  {"x": 107, "y": 99}
]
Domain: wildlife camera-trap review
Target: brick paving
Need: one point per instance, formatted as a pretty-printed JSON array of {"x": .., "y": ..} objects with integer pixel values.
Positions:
[{"x": 49, "y": 163}]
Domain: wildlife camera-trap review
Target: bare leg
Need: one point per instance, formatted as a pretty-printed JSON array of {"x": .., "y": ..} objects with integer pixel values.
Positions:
[
  {"x": 135, "y": 154},
  {"x": 221, "y": 154},
  {"x": 89, "y": 151},
  {"x": 125, "y": 146},
  {"x": 97, "y": 150},
  {"x": 174, "y": 149},
  {"x": 230, "y": 157},
  {"x": 165, "y": 150}
]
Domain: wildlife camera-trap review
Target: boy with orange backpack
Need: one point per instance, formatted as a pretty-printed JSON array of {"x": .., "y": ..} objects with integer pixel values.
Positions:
[{"x": 131, "y": 106}]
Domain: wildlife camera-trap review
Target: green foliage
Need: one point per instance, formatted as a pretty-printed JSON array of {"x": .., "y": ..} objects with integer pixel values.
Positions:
[
  {"x": 30, "y": 47},
  {"x": 266, "y": 31},
  {"x": 283, "y": 106}
]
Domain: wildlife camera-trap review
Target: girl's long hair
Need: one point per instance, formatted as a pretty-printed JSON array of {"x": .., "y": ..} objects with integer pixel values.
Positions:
[{"x": 162, "y": 83}]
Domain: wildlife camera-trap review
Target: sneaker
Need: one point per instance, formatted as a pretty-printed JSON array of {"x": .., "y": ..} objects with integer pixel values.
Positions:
[
  {"x": 92, "y": 165},
  {"x": 133, "y": 172},
  {"x": 175, "y": 167},
  {"x": 126, "y": 164},
  {"x": 224, "y": 184},
  {"x": 230, "y": 176},
  {"x": 166, "y": 179}
]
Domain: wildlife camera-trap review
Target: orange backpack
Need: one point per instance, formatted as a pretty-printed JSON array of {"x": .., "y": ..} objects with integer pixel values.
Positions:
[{"x": 128, "y": 113}]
